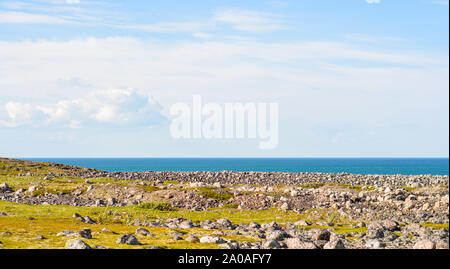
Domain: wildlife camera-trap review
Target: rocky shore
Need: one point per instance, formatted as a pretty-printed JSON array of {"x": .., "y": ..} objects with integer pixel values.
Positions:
[
  {"x": 290, "y": 210},
  {"x": 271, "y": 179}
]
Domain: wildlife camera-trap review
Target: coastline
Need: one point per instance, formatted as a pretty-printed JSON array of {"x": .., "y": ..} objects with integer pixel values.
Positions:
[
  {"x": 364, "y": 166},
  {"x": 218, "y": 209}
]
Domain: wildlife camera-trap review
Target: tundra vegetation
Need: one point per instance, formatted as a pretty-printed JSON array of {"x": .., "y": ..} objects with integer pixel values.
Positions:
[{"x": 45, "y": 205}]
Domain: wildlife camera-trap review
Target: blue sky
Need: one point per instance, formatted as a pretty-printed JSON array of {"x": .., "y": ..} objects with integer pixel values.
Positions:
[{"x": 97, "y": 78}]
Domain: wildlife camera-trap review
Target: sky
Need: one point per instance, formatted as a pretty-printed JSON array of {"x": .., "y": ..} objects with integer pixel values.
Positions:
[{"x": 352, "y": 78}]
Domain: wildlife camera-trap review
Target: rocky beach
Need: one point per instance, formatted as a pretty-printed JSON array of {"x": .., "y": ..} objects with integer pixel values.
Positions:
[{"x": 45, "y": 205}]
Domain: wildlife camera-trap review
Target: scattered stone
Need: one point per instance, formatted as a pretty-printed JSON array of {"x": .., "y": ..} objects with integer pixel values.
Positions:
[
  {"x": 88, "y": 220},
  {"x": 334, "y": 244},
  {"x": 285, "y": 207},
  {"x": 128, "y": 239},
  {"x": 424, "y": 244},
  {"x": 187, "y": 224},
  {"x": 277, "y": 235},
  {"x": 153, "y": 247},
  {"x": 142, "y": 231},
  {"x": 192, "y": 239},
  {"x": 85, "y": 233},
  {"x": 76, "y": 244},
  {"x": 321, "y": 235},
  {"x": 65, "y": 233},
  {"x": 106, "y": 230},
  {"x": 296, "y": 243},
  {"x": 271, "y": 244},
  {"x": 211, "y": 239},
  {"x": 375, "y": 244},
  {"x": 223, "y": 224}
]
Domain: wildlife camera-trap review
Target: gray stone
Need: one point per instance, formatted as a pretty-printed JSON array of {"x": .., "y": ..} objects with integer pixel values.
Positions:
[
  {"x": 321, "y": 235},
  {"x": 153, "y": 247},
  {"x": 192, "y": 239},
  {"x": 375, "y": 244},
  {"x": 187, "y": 224},
  {"x": 277, "y": 235},
  {"x": 142, "y": 231},
  {"x": 211, "y": 239},
  {"x": 285, "y": 207},
  {"x": 65, "y": 233},
  {"x": 85, "y": 233},
  {"x": 88, "y": 220},
  {"x": 334, "y": 244},
  {"x": 76, "y": 244},
  {"x": 424, "y": 244},
  {"x": 296, "y": 243},
  {"x": 268, "y": 244},
  {"x": 223, "y": 224},
  {"x": 128, "y": 239}
]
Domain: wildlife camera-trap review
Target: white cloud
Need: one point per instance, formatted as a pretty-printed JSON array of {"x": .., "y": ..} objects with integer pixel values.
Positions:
[
  {"x": 117, "y": 107},
  {"x": 250, "y": 21},
  {"x": 202, "y": 35},
  {"x": 315, "y": 82},
  {"x": 373, "y": 1},
  {"x": 29, "y": 18},
  {"x": 241, "y": 20},
  {"x": 71, "y": 2},
  {"x": 71, "y": 12},
  {"x": 173, "y": 27}
]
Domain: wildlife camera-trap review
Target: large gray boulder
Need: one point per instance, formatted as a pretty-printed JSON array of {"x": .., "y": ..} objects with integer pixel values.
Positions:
[
  {"x": 128, "y": 239},
  {"x": 424, "y": 244},
  {"x": 76, "y": 244},
  {"x": 211, "y": 239},
  {"x": 296, "y": 243},
  {"x": 334, "y": 244},
  {"x": 277, "y": 235}
]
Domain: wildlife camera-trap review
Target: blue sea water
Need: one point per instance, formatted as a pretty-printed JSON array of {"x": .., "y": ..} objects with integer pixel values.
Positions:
[{"x": 405, "y": 166}]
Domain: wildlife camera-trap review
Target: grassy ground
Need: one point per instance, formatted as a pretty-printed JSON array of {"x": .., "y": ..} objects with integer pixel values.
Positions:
[
  {"x": 51, "y": 219},
  {"x": 48, "y": 220}
]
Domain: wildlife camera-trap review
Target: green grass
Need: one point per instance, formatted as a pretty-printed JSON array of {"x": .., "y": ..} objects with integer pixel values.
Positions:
[
  {"x": 220, "y": 195},
  {"x": 232, "y": 205},
  {"x": 357, "y": 187},
  {"x": 312, "y": 185},
  {"x": 435, "y": 225},
  {"x": 157, "y": 206},
  {"x": 410, "y": 189}
]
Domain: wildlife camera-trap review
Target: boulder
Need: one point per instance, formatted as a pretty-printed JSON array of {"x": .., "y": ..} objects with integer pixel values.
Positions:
[
  {"x": 211, "y": 239},
  {"x": 334, "y": 244},
  {"x": 277, "y": 235},
  {"x": 76, "y": 244},
  {"x": 321, "y": 235},
  {"x": 142, "y": 231},
  {"x": 375, "y": 244},
  {"x": 128, "y": 239},
  {"x": 85, "y": 233},
  {"x": 424, "y": 244},
  {"x": 296, "y": 243}
]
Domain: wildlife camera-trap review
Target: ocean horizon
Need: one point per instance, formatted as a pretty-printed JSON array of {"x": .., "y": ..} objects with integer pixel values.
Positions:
[{"x": 382, "y": 166}]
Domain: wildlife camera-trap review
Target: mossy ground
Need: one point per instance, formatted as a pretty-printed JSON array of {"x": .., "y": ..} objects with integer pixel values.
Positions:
[{"x": 51, "y": 219}]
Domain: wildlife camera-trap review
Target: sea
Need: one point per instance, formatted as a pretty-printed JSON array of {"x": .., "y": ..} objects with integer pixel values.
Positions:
[{"x": 394, "y": 166}]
